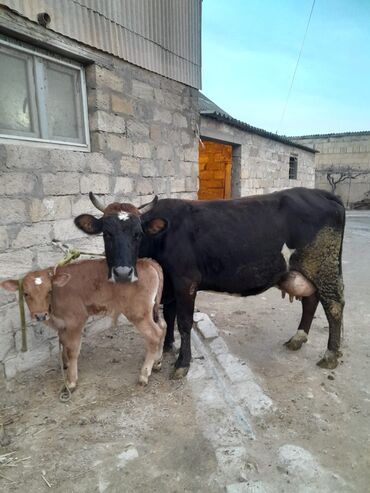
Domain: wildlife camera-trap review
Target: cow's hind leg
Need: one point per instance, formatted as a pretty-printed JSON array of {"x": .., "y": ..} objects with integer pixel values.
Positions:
[
  {"x": 309, "y": 306},
  {"x": 321, "y": 264},
  {"x": 334, "y": 313}
]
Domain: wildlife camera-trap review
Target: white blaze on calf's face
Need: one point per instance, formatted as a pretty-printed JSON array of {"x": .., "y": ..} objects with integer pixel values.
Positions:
[{"x": 38, "y": 281}]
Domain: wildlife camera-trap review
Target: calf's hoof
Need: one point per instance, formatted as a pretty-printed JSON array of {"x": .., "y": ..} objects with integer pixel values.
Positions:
[
  {"x": 180, "y": 373},
  {"x": 297, "y": 341},
  {"x": 143, "y": 380},
  {"x": 329, "y": 361}
]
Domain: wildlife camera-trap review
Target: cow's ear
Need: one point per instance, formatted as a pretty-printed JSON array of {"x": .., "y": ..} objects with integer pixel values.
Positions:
[
  {"x": 10, "y": 285},
  {"x": 89, "y": 224},
  {"x": 155, "y": 226},
  {"x": 61, "y": 280}
]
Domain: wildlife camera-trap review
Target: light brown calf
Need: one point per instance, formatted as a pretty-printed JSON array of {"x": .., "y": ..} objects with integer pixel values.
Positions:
[{"x": 66, "y": 299}]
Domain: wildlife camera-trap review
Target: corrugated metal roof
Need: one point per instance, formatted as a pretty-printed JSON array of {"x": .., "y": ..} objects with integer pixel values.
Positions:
[
  {"x": 323, "y": 136},
  {"x": 210, "y": 110},
  {"x": 163, "y": 36}
]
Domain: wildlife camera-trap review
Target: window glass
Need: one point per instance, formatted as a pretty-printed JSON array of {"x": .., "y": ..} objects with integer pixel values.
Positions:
[
  {"x": 42, "y": 97},
  {"x": 15, "y": 112},
  {"x": 61, "y": 102}
]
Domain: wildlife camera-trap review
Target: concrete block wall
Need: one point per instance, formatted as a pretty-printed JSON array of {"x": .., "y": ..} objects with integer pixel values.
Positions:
[
  {"x": 142, "y": 143},
  {"x": 348, "y": 154},
  {"x": 260, "y": 165}
]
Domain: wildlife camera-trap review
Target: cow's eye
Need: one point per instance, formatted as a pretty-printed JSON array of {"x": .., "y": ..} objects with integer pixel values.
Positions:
[{"x": 25, "y": 295}]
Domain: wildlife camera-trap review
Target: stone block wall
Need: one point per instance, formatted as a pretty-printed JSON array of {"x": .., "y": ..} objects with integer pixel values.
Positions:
[
  {"x": 345, "y": 157},
  {"x": 143, "y": 142},
  {"x": 260, "y": 165}
]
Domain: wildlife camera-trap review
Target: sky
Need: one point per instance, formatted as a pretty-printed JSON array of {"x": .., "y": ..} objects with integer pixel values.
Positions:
[{"x": 250, "y": 49}]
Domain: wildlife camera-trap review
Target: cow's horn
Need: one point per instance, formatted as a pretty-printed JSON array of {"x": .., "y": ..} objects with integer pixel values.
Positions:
[
  {"x": 96, "y": 202},
  {"x": 149, "y": 206}
]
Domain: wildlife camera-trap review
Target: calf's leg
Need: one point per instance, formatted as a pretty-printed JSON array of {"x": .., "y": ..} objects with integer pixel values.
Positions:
[
  {"x": 159, "y": 356},
  {"x": 70, "y": 338},
  {"x": 153, "y": 336},
  {"x": 64, "y": 356},
  {"x": 309, "y": 306}
]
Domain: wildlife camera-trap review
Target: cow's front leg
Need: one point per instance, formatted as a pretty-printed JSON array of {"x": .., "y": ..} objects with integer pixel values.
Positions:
[
  {"x": 309, "y": 306},
  {"x": 185, "y": 299},
  {"x": 169, "y": 313},
  {"x": 70, "y": 338}
]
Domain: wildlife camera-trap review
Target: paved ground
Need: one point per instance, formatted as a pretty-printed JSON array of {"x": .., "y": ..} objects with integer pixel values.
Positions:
[{"x": 250, "y": 417}]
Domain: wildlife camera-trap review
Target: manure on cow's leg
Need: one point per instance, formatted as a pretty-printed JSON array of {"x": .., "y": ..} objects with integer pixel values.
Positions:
[
  {"x": 320, "y": 262},
  {"x": 334, "y": 314}
]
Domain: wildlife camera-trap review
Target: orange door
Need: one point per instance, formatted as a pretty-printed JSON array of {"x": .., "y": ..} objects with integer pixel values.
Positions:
[{"x": 214, "y": 170}]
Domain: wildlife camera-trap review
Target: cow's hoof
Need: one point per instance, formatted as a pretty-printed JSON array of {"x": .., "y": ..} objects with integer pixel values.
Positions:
[
  {"x": 297, "y": 341},
  {"x": 329, "y": 361},
  {"x": 157, "y": 365},
  {"x": 143, "y": 380},
  {"x": 72, "y": 386},
  {"x": 180, "y": 373},
  {"x": 294, "y": 344}
]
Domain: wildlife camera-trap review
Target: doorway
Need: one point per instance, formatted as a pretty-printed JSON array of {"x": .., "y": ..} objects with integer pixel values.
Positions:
[{"x": 215, "y": 166}]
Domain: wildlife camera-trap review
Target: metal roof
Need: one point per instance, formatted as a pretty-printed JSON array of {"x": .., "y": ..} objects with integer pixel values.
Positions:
[
  {"x": 163, "y": 36},
  {"x": 209, "y": 109},
  {"x": 323, "y": 136}
]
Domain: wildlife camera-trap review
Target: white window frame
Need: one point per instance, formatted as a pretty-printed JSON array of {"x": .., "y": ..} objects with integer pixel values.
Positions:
[{"x": 36, "y": 81}]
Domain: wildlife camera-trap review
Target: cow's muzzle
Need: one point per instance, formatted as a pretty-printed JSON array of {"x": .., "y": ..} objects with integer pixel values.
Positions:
[
  {"x": 124, "y": 274},
  {"x": 41, "y": 317}
]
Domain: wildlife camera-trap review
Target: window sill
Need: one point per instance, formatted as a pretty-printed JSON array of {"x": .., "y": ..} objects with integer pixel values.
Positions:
[{"x": 67, "y": 146}]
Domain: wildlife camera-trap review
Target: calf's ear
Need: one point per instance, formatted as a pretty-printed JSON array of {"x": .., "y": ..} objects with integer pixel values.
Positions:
[
  {"x": 61, "y": 280},
  {"x": 10, "y": 285},
  {"x": 89, "y": 224},
  {"x": 155, "y": 226}
]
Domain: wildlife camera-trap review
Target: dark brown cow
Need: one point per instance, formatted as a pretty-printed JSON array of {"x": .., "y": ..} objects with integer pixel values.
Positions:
[
  {"x": 291, "y": 239},
  {"x": 64, "y": 300}
]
